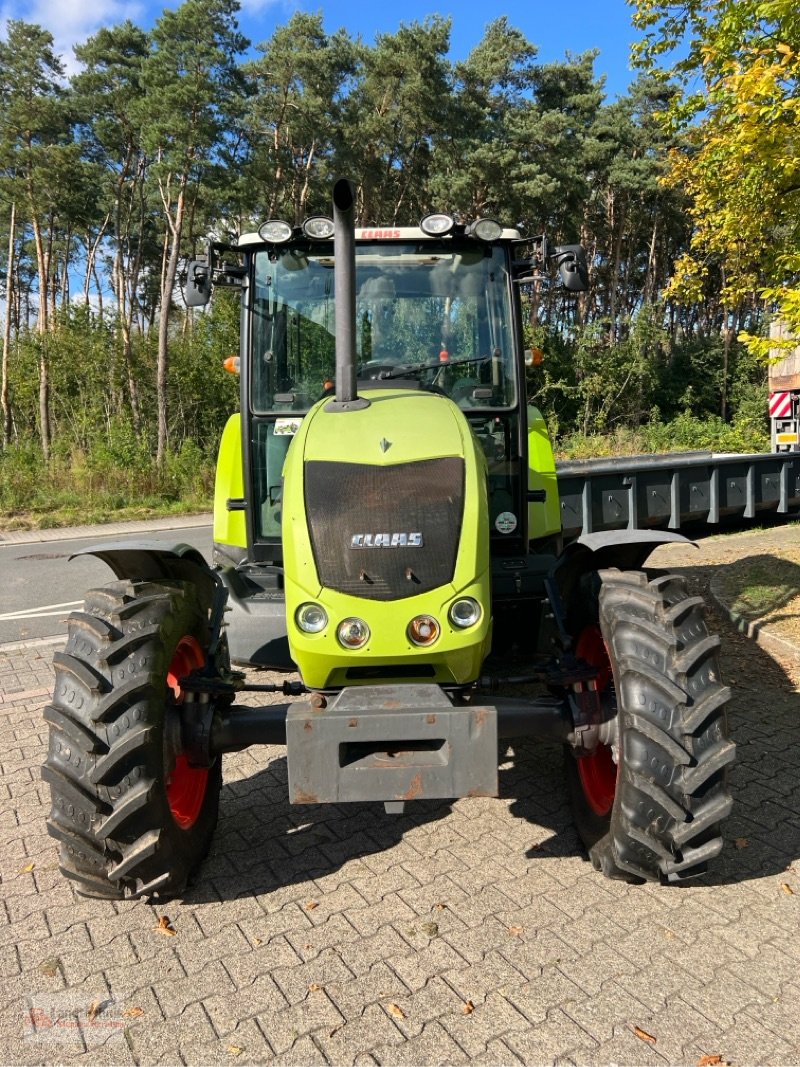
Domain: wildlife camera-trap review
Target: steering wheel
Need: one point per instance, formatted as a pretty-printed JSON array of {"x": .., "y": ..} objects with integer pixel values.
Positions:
[{"x": 372, "y": 371}]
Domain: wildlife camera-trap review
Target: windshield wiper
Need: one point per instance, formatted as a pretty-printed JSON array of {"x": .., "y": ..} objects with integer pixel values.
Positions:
[{"x": 417, "y": 368}]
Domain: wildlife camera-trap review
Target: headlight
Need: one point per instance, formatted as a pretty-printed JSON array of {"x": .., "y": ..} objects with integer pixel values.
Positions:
[
  {"x": 275, "y": 231},
  {"x": 353, "y": 633},
  {"x": 465, "y": 612},
  {"x": 423, "y": 630},
  {"x": 318, "y": 227},
  {"x": 486, "y": 230},
  {"x": 437, "y": 224},
  {"x": 311, "y": 618}
]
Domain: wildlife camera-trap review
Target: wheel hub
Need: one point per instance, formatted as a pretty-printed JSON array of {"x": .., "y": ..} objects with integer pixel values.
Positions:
[
  {"x": 186, "y": 785},
  {"x": 598, "y": 769}
]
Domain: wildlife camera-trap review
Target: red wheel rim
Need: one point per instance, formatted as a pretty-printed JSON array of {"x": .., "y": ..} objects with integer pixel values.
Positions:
[
  {"x": 598, "y": 771},
  {"x": 186, "y": 785}
]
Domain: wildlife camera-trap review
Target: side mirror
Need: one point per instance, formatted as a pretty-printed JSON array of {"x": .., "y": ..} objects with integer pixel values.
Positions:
[
  {"x": 198, "y": 284},
  {"x": 572, "y": 267}
]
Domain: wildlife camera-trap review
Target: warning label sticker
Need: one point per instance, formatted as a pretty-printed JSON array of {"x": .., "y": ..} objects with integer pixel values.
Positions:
[
  {"x": 287, "y": 427},
  {"x": 506, "y": 522}
]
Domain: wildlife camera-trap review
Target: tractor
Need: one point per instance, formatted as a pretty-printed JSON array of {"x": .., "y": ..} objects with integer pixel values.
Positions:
[{"x": 386, "y": 526}]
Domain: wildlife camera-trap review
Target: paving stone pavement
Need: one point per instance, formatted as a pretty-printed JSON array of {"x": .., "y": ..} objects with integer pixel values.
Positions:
[{"x": 465, "y": 932}]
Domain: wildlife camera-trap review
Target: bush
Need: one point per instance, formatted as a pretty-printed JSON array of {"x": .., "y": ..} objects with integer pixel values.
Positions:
[
  {"x": 99, "y": 486},
  {"x": 686, "y": 433}
]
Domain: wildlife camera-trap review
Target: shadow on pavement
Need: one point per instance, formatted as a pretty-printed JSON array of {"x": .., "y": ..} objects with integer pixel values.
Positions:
[{"x": 262, "y": 843}]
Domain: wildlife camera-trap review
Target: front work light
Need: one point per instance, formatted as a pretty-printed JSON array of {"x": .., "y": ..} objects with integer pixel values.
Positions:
[
  {"x": 275, "y": 231},
  {"x": 437, "y": 224},
  {"x": 423, "y": 630},
  {"x": 318, "y": 228},
  {"x": 486, "y": 230},
  {"x": 465, "y": 612},
  {"x": 311, "y": 618},
  {"x": 353, "y": 633}
]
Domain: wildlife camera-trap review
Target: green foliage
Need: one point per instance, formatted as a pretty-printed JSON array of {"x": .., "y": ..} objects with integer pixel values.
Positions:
[
  {"x": 686, "y": 433},
  {"x": 166, "y": 137},
  {"x": 739, "y": 161},
  {"x": 77, "y": 488}
]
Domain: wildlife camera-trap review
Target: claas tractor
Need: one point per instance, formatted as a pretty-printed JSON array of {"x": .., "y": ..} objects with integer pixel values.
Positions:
[{"x": 386, "y": 526}]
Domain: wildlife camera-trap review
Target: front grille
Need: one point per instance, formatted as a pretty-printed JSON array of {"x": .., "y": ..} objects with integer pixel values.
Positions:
[
  {"x": 396, "y": 670},
  {"x": 346, "y": 499}
]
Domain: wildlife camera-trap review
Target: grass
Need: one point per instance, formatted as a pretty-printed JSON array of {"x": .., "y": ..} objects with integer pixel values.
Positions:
[
  {"x": 759, "y": 587},
  {"x": 686, "y": 433},
  {"x": 98, "y": 513},
  {"x": 78, "y": 489}
]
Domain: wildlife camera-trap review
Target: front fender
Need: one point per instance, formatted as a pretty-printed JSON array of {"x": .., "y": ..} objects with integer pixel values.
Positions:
[
  {"x": 625, "y": 549},
  {"x": 154, "y": 561}
]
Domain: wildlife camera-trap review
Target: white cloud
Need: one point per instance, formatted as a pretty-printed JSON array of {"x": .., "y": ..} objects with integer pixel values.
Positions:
[{"x": 71, "y": 21}]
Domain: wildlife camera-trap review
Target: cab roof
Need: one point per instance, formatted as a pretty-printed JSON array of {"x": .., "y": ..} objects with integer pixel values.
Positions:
[{"x": 384, "y": 233}]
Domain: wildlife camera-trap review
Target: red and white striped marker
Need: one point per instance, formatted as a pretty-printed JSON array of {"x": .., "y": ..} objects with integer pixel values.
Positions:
[{"x": 780, "y": 405}]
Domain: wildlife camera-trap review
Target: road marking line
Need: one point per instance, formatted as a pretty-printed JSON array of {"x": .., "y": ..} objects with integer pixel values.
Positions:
[
  {"x": 37, "y": 615},
  {"x": 41, "y": 612}
]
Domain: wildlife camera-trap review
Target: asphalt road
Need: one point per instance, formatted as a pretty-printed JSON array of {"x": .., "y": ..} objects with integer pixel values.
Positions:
[{"x": 40, "y": 585}]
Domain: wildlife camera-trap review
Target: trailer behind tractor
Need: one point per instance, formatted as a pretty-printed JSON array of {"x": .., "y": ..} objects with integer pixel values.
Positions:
[{"x": 387, "y": 523}]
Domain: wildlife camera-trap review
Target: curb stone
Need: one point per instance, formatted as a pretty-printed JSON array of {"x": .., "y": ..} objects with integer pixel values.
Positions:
[
  {"x": 75, "y": 533},
  {"x": 754, "y": 629}
]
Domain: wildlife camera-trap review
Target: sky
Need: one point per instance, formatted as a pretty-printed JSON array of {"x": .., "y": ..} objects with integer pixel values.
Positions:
[{"x": 555, "y": 28}]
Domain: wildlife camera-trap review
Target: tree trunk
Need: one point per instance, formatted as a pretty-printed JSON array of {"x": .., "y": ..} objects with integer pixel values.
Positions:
[
  {"x": 650, "y": 276},
  {"x": 44, "y": 279},
  {"x": 44, "y": 397},
  {"x": 4, "y": 401},
  {"x": 42, "y": 325},
  {"x": 175, "y": 230}
]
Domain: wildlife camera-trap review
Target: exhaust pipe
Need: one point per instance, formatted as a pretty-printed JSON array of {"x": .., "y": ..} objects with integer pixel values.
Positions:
[{"x": 344, "y": 251}]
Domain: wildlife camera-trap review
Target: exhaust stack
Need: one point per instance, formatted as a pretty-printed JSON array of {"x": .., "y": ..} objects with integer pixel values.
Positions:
[{"x": 344, "y": 250}]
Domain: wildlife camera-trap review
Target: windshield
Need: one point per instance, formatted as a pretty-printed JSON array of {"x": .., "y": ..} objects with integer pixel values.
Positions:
[{"x": 437, "y": 314}]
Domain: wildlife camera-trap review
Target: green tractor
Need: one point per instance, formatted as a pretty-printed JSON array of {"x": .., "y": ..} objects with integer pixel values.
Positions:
[{"x": 387, "y": 525}]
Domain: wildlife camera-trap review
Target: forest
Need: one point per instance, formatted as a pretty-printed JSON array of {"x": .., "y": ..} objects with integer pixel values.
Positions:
[{"x": 683, "y": 191}]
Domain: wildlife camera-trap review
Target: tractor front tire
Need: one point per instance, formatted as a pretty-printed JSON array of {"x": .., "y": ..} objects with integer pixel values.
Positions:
[
  {"x": 648, "y": 807},
  {"x": 133, "y": 818}
]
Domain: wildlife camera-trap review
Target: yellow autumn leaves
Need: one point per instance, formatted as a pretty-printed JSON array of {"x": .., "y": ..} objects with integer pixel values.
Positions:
[{"x": 738, "y": 153}]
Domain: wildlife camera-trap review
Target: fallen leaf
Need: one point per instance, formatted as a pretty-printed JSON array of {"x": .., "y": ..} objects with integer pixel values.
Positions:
[
  {"x": 314, "y": 988},
  {"x": 710, "y": 1061},
  {"x": 515, "y": 931},
  {"x": 166, "y": 927},
  {"x": 741, "y": 842},
  {"x": 133, "y": 1013},
  {"x": 396, "y": 1010},
  {"x": 95, "y": 1008},
  {"x": 235, "y": 1050},
  {"x": 50, "y": 967},
  {"x": 27, "y": 870},
  {"x": 468, "y": 1008},
  {"x": 312, "y": 904},
  {"x": 787, "y": 889},
  {"x": 438, "y": 907},
  {"x": 257, "y": 941},
  {"x": 643, "y": 1035},
  {"x": 431, "y": 929}
]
